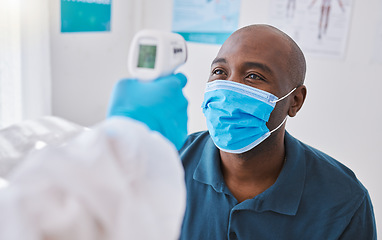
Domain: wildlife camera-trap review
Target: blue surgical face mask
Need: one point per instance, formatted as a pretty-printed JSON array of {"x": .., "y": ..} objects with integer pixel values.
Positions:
[{"x": 237, "y": 114}]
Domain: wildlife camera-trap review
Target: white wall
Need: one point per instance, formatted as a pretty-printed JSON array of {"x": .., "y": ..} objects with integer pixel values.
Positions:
[
  {"x": 342, "y": 115},
  {"x": 85, "y": 66}
]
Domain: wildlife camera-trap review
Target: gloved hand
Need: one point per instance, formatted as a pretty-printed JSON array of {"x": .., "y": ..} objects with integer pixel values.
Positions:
[{"x": 160, "y": 104}]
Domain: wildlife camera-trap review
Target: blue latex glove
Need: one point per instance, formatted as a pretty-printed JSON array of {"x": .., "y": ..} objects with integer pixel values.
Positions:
[{"x": 160, "y": 104}]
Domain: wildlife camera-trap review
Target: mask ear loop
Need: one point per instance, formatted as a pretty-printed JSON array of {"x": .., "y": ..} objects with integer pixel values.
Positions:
[
  {"x": 286, "y": 116},
  {"x": 278, "y": 100},
  {"x": 278, "y": 126}
]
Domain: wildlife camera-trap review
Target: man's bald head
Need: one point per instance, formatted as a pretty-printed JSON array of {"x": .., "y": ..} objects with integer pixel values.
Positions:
[
  {"x": 295, "y": 60},
  {"x": 264, "y": 58}
]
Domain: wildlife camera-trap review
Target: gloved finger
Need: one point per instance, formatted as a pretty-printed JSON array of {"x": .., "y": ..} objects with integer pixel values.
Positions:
[
  {"x": 182, "y": 79},
  {"x": 177, "y": 81},
  {"x": 124, "y": 83}
]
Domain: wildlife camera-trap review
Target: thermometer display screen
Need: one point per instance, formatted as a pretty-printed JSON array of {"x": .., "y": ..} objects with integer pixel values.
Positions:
[{"x": 147, "y": 56}]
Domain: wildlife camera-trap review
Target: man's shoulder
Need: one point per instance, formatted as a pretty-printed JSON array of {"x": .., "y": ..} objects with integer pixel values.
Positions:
[
  {"x": 318, "y": 161},
  {"x": 335, "y": 180}
]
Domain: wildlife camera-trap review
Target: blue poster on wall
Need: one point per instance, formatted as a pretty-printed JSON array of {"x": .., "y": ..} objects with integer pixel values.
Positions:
[
  {"x": 85, "y": 15},
  {"x": 205, "y": 21}
]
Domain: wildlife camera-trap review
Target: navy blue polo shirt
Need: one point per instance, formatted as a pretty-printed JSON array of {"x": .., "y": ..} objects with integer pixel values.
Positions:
[{"x": 314, "y": 197}]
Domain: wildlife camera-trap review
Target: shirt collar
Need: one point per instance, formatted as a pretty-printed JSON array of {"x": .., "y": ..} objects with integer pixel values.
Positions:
[
  {"x": 208, "y": 170},
  {"x": 282, "y": 197}
]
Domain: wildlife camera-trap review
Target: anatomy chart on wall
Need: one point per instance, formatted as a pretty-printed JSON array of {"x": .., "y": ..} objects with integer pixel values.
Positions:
[
  {"x": 320, "y": 27},
  {"x": 85, "y": 15},
  {"x": 205, "y": 21}
]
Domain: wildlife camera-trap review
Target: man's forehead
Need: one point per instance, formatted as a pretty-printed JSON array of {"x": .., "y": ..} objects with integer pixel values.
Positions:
[
  {"x": 259, "y": 45},
  {"x": 256, "y": 37}
]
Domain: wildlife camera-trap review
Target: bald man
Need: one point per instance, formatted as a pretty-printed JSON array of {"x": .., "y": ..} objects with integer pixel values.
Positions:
[{"x": 246, "y": 177}]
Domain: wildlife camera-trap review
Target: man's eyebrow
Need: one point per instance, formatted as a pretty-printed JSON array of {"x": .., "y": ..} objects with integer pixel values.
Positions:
[
  {"x": 258, "y": 65},
  {"x": 246, "y": 64},
  {"x": 218, "y": 60}
]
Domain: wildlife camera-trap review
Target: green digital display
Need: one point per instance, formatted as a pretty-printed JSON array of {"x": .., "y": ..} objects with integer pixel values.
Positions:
[{"x": 147, "y": 56}]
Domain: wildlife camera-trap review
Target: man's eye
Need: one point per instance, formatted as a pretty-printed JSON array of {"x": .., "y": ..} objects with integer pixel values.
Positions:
[
  {"x": 218, "y": 72},
  {"x": 255, "y": 77}
]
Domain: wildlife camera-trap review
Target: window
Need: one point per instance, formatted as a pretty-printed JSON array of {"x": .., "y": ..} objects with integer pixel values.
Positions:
[
  {"x": 10, "y": 63},
  {"x": 25, "y": 81}
]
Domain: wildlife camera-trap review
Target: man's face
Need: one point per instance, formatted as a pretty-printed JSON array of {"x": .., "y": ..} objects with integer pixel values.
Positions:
[{"x": 257, "y": 58}]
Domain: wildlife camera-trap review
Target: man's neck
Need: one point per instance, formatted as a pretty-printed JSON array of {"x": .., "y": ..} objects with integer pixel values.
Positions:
[{"x": 251, "y": 174}]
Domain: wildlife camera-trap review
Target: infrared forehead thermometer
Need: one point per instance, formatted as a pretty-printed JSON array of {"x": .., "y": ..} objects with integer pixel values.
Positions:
[{"x": 155, "y": 54}]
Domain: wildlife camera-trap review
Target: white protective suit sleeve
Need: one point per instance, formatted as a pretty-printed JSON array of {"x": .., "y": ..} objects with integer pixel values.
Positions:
[
  {"x": 18, "y": 140},
  {"x": 117, "y": 181}
]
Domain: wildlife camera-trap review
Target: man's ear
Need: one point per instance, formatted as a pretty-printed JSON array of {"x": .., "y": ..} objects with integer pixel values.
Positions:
[{"x": 297, "y": 100}]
